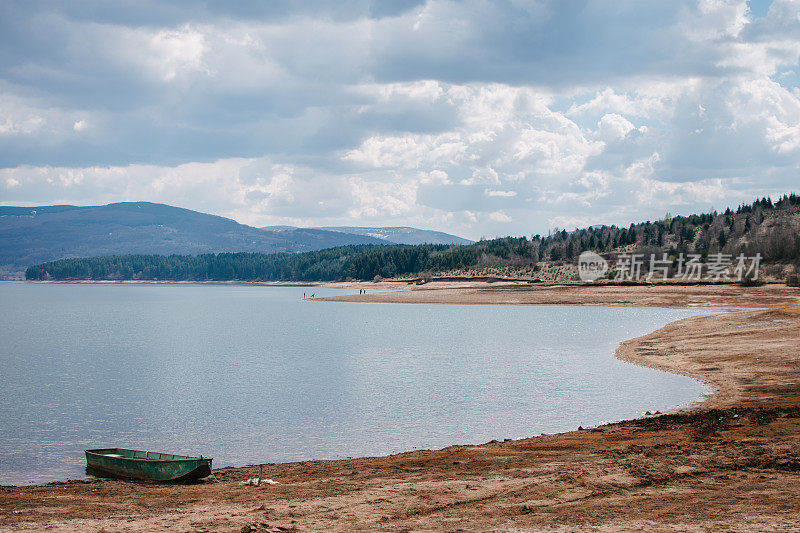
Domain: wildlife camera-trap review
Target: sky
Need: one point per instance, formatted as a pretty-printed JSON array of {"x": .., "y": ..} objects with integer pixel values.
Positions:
[{"x": 477, "y": 118}]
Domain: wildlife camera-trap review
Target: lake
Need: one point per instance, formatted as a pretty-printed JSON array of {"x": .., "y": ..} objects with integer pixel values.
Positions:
[{"x": 251, "y": 374}]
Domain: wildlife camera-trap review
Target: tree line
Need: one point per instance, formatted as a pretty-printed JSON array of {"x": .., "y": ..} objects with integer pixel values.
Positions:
[{"x": 765, "y": 227}]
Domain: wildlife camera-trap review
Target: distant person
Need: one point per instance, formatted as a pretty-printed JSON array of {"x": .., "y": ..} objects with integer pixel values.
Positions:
[{"x": 304, "y": 296}]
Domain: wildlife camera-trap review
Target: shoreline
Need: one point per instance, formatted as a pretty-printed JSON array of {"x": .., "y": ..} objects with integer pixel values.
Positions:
[
  {"x": 690, "y": 346},
  {"x": 410, "y": 283},
  {"x": 167, "y": 282},
  {"x": 508, "y": 293},
  {"x": 627, "y": 351}
]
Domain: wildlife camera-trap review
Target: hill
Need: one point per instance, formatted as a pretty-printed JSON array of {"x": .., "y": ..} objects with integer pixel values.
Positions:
[
  {"x": 763, "y": 227},
  {"x": 31, "y": 235},
  {"x": 391, "y": 235}
]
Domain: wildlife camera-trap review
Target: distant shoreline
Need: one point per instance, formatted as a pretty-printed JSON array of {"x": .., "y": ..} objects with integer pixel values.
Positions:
[
  {"x": 413, "y": 283},
  {"x": 167, "y": 282}
]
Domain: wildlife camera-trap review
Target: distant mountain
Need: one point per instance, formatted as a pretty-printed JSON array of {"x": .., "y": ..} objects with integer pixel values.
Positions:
[
  {"x": 402, "y": 235},
  {"x": 394, "y": 235},
  {"x": 31, "y": 235}
]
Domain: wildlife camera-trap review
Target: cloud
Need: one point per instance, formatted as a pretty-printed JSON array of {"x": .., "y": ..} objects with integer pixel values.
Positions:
[
  {"x": 500, "y": 216},
  {"x": 174, "y": 52},
  {"x": 374, "y": 199},
  {"x": 473, "y": 117},
  {"x": 409, "y": 151},
  {"x": 21, "y": 126},
  {"x": 613, "y": 127},
  {"x": 501, "y": 194}
]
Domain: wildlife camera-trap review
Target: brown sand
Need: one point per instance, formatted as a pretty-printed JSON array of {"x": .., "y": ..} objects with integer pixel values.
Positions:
[
  {"x": 731, "y": 463},
  {"x": 660, "y": 295}
]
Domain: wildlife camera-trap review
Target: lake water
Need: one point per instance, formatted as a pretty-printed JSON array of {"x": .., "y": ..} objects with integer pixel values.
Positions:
[{"x": 250, "y": 374}]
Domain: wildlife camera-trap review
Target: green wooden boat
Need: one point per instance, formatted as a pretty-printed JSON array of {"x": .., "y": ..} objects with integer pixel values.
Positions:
[{"x": 150, "y": 466}]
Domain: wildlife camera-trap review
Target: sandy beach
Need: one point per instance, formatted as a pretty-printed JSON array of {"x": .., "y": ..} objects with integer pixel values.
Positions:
[{"x": 728, "y": 463}]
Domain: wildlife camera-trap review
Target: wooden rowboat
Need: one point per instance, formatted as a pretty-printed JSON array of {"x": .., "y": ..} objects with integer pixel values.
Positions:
[{"x": 151, "y": 466}]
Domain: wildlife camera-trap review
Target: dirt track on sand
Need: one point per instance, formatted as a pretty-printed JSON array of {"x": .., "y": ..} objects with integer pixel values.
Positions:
[{"x": 731, "y": 463}]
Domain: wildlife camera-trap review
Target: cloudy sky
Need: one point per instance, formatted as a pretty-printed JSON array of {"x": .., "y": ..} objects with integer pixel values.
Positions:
[{"x": 477, "y": 118}]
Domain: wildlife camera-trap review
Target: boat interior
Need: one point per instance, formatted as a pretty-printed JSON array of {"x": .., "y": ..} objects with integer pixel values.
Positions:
[{"x": 122, "y": 453}]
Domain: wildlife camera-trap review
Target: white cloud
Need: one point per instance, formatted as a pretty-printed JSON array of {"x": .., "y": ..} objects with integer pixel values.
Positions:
[
  {"x": 500, "y": 216},
  {"x": 161, "y": 55},
  {"x": 409, "y": 151},
  {"x": 500, "y": 194},
  {"x": 375, "y": 199},
  {"x": 712, "y": 20},
  {"x": 484, "y": 174},
  {"x": 24, "y": 126},
  {"x": 648, "y": 100},
  {"x": 470, "y": 216},
  {"x": 613, "y": 127},
  {"x": 463, "y": 115},
  {"x": 177, "y": 51},
  {"x": 435, "y": 177},
  {"x": 772, "y": 109},
  {"x": 419, "y": 91},
  {"x": 24, "y": 117},
  {"x": 17, "y": 117}
]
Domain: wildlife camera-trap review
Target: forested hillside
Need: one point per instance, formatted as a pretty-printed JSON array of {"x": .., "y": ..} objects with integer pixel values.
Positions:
[
  {"x": 769, "y": 228},
  {"x": 30, "y": 235},
  {"x": 326, "y": 264}
]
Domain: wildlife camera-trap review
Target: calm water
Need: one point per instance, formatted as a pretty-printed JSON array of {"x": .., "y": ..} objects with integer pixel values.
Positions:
[{"x": 251, "y": 374}]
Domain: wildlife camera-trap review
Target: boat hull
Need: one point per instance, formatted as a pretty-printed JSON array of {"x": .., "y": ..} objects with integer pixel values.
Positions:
[{"x": 147, "y": 466}]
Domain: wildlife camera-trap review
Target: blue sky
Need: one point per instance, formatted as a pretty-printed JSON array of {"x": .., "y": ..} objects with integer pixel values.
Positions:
[{"x": 477, "y": 118}]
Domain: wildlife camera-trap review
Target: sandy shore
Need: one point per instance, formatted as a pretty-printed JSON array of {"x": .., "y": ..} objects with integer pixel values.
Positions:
[
  {"x": 505, "y": 293},
  {"x": 729, "y": 464}
]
